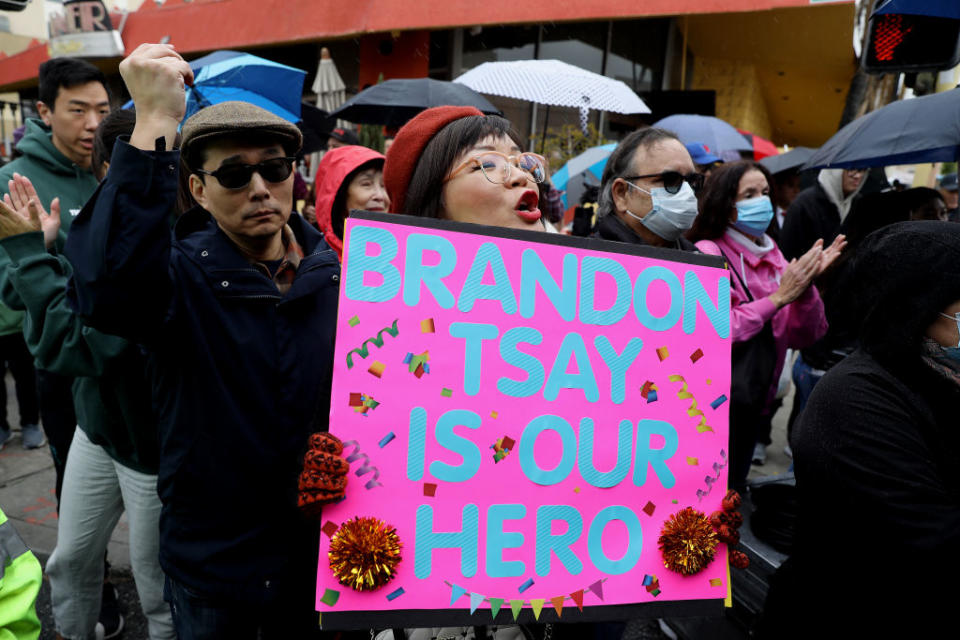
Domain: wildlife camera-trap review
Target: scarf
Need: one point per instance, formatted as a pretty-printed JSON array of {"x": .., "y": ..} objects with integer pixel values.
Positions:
[{"x": 933, "y": 357}]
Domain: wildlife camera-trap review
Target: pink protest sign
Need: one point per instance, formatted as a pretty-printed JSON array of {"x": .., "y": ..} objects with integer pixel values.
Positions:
[{"x": 527, "y": 410}]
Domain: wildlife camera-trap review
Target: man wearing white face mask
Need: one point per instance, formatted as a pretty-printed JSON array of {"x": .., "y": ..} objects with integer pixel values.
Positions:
[{"x": 648, "y": 191}]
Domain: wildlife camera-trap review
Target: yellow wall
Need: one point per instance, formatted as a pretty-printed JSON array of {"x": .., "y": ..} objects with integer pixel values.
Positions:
[{"x": 794, "y": 65}]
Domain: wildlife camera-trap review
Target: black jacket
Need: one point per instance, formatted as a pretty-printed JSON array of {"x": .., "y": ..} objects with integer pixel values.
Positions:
[
  {"x": 241, "y": 374},
  {"x": 610, "y": 227},
  {"x": 811, "y": 216}
]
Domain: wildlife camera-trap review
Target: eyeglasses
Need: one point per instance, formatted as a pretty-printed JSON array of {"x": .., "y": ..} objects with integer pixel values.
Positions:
[
  {"x": 673, "y": 180},
  {"x": 496, "y": 166},
  {"x": 237, "y": 176}
]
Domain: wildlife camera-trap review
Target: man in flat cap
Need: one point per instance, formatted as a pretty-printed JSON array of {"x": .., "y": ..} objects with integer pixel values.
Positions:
[{"x": 236, "y": 310}]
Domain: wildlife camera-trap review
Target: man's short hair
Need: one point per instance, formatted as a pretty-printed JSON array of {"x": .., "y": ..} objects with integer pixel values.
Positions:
[
  {"x": 66, "y": 73},
  {"x": 619, "y": 162}
]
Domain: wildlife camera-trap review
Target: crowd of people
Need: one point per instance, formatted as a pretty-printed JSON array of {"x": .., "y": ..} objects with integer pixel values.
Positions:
[{"x": 181, "y": 316}]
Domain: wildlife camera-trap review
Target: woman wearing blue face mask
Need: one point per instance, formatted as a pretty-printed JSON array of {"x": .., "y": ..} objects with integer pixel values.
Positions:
[
  {"x": 773, "y": 302},
  {"x": 877, "y": 448}
]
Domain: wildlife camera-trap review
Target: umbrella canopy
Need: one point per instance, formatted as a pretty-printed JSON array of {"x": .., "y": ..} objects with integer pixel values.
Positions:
[
  {"x": 793, "y": 159},
  {"x": 910, "y": 131},
  {"x": 552, "y": 82},
  {"x": 718, "y": 135},
  {"x": 394, "y": 102},
  {"x": 571, "y": 175},
  {"x": 761, "y": 146},
  {"x": 328, "y": 85},
  {"x": 223, "y": 76},
  {"x": 316, "y": 125},
  {"x": 932, "y": 8}
]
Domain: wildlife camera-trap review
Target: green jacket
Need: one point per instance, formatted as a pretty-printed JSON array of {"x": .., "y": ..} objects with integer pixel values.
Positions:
[
  {"x": 10, "y": 321},
  {"x": 111, "y": 392},
  {"x": 52, "y": 173},
  {"x": 20, "y": 579}
]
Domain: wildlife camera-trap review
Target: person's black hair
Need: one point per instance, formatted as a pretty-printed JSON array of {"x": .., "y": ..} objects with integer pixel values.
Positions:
[
  {"x": 424, "y": 193},
  {"x": 620, "y": 161},
  {"x": 338, "y": 210},
  {"x": 65, "y": 73},
  {"x": 117, "y": 123},
  {"x": 719, "y": 198}
]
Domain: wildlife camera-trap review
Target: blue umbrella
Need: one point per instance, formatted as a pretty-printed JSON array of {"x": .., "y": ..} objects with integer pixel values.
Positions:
[
  {"x": 719, "y": 136},
  {"x": 910, "y": 131},
  {"x": 592, "y": 161},
  {"x": 223, "y": 76},
  {"x": 932, "y": 8}
]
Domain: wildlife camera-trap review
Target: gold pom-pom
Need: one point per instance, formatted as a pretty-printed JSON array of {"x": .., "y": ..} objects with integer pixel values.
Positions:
[
  {"x": 364, "y": 553},
  {"x": 687, "y": 542}
]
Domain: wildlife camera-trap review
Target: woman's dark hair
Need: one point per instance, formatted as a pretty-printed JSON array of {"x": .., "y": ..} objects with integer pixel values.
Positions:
[
  {"x": 338, "y": 210},
  {"x": 619, "y": 162},
  {"x": 424, "y": 193},
  {"x": 719, "y": 198},
  {"x": 117, "y": 123}
]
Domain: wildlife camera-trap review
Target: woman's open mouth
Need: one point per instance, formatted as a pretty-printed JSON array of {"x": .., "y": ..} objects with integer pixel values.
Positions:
[{"x": 526, "y": 207}]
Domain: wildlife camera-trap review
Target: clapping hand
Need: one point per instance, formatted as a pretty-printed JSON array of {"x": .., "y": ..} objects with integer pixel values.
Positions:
[
  {"x": 831, "y": 253},
  {"x": 798, "y": 275},
  {"x": 22, "y": 212}
]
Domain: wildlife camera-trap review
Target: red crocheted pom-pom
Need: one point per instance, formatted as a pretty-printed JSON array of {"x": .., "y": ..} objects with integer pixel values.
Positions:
[
  {"x": 731, "y": 501},
  {"x": 739, "y": 560}
]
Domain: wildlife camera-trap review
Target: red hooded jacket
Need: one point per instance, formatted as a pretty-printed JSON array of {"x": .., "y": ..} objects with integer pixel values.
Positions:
[{"x": 336, "y": 165}]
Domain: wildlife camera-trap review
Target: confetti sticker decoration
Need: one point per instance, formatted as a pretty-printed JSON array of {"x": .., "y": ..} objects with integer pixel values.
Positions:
[
  {"x": 647, "y": 387},
  {"x": 558, "y": 605},
  {"x": 377, "y": 368},
  {"x": 330, "y": 597},
  {"x": 692, "y": 461},
  {"x": 693, "y": 412},
  {"x": 494, "y": 414},
  {"x": 652, "y": 396},
  {"x": 427, "y": 326},
  {"x": 329, "y": 528},
  {"x": 526, "y": 585},
  {"x": 696, "y": 355},
  {"x": 501, "y": 448},
  {"x": 354, "y": 321},
  {"x": 663, "y": 353},
  {"x": 356, "y": 400},
  {"x": 576, "y": 489},
  {"x": 537, "y": 605},
  {"x": 716, "y": 582},
  {"x": 647, "y": 580},
  {"x": 365, "y": 466},
  {"x": 446, "y": 393},
  {"x": 393, "y": 595},
  {"x": 429, "y": 489},
  {"x": 649, "y": 508},
  {"x": 719, "y": 401},
  {"x": 363, "y": 351},
  {"x": 385, "y": 440}
]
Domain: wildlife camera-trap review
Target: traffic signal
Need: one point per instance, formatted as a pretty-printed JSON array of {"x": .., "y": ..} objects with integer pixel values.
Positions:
[
  {"x": 899, "y": 42},
  {"x": 13, "y": 5}
]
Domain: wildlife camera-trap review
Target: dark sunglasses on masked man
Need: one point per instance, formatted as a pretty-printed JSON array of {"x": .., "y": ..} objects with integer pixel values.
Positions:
[{"x": 673, "y": 180}]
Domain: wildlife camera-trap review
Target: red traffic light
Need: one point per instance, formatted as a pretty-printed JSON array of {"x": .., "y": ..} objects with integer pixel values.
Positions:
[{"x": 910, "y": 43}]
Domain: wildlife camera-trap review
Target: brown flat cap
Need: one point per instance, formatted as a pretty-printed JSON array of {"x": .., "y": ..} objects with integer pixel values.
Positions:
[{"x": 237, "y": 117}]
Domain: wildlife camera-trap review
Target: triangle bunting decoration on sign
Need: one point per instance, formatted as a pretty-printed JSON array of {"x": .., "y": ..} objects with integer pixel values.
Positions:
[
  {"x": 537, "y": 605},
  {"x": 476, "y": 599},
  {"x": 558, "y": 605},
  {"x": 495, "y": 604},
  {"x": 515, "y": 606},
  {"x": 455, "y": 592},
  {"x": 597, "y": 588},
  {"x": 578, "y": 598}
]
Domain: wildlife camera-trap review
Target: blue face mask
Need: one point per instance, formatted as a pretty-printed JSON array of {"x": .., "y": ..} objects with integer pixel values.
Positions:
[
  {"x": 754, "y": 215},
  {"x": 953, "y": 352},
  {"x": 672, "y": 213}
]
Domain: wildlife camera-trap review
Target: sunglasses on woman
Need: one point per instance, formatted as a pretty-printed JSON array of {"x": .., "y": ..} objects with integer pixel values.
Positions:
[
  {"x": 673, "y": 180},
  {"x": 237, "y": 176},
  {"x": 496, "y": 166}
]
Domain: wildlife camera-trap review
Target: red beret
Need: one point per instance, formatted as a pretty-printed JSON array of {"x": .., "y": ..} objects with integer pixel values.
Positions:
[{"x": 408, "y": 146}]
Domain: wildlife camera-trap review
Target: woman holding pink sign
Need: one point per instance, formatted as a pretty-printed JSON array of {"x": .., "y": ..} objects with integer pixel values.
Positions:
[
  {"x": 458, "y": 164},
  {"x": 774, "y": 304}
]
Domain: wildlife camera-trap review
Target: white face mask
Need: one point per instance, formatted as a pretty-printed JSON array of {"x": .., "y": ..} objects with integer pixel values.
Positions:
[{"x": 672, "y": 213}]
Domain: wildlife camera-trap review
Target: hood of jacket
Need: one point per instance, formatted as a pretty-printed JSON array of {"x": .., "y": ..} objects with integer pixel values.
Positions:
[
  {"x": 832, "y": 182},
  {"x": 37, "y": 144},
  {"x": 898, "y": 279},
  {"x": 336, "y": 166}
]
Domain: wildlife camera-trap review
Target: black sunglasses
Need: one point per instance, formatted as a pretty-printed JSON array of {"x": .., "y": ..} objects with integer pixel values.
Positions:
[
  {"x": 237, "y": 176},
  {"x": 673, "y": 180}
]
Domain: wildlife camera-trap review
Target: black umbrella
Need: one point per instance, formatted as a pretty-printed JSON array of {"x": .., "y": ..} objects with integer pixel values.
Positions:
[
  {"x": 315, "y": 124},
  {"x": 910, "y": 131},
  {"x": 793, "y": 159},
  {"x": 394, "y": 102}
]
